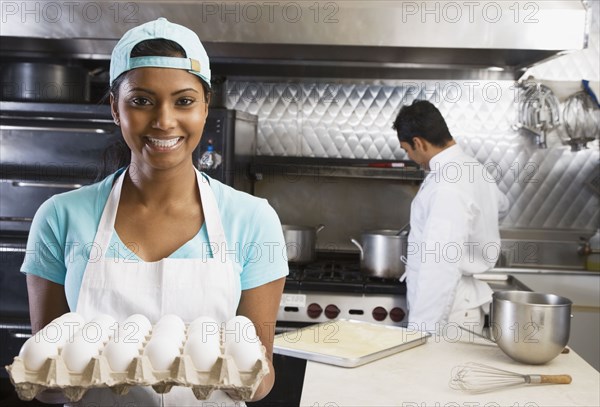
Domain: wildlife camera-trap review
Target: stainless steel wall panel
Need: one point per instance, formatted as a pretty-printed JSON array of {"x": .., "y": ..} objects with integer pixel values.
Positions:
[{"x": 352, "y": 119}]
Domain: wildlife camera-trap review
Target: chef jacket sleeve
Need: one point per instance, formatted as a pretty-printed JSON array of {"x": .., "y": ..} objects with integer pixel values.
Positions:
[
  {"x": 45, "y": 246},
  {"x": 444, "y": 236}
]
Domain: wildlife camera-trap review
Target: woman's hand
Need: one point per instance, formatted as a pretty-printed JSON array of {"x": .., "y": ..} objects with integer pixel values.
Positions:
[
  {"x": 47, "y": 301},
  {"x": 260, "y": 305}
]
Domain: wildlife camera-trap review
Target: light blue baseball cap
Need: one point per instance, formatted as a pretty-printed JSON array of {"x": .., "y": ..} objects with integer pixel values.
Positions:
[{"x": 196, "y": 61}]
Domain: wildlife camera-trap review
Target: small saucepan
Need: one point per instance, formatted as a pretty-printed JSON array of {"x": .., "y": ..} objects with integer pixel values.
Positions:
[
  {"x": 301, "y": 242},
  {"x": 383, "y": 252}
]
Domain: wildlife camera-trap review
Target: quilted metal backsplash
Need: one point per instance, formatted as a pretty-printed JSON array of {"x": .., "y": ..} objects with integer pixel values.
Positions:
[{"x": 352, "y": 119}]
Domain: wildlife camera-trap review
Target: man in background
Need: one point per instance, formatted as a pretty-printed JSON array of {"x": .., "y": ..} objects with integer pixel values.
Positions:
[{"x": 454, "y": 225}]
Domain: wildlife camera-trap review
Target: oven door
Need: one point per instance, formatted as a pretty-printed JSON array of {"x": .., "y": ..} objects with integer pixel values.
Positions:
[{"x": 47, "y": 149}]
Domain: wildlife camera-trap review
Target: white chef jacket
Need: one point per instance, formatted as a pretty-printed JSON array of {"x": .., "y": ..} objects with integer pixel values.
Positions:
[{"x": 454, "y": 234}]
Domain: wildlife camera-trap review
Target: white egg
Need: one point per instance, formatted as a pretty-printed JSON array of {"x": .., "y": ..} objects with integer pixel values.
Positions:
[
  {"x": 78, "y": 353},
  {"x": 207, "y": 333},
  {"x": 119, "y": 355},
  {"x": 166, "y": 328},
  {"x": 137, "y": 323},
  {"x": 130, "y": 336},
  {"x": 56, "y": 333},
  {"x": 203, "y": 350},
  {"x": 172, "y": 336},
  {"x": 161, "y": 352},
  {"x": 71, "y": 317},
  {"x": 70, "y": 323},
  {"x": 92, "y": 332},
  {"x": 239, "y": 329},
  {"x": 35, "y": 351},
  {"x": 108, "y": 324},
  {"x": 203, "y": 324},
  {"x": 245, "y": 354},
  {"x": 171, "y": 320},
  {"x": 134, "y": 329}
]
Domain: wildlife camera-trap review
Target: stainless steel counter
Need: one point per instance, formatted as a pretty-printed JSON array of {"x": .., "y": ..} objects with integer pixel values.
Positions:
[
  {"x": 543, "y": 249},
  {"x": 541, "y": 270},
  {"x": 502, "y": 282}
]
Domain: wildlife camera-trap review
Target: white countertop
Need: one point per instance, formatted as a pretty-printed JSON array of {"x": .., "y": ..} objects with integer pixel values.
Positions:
[{"x": 419, "y": 377}]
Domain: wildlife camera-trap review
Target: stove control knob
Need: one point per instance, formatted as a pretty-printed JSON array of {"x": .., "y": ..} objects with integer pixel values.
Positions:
[
  {"x": 379, "y": 313},
  {"x": 331, "y": 311},
  {"x": 397, "y": 314},
  {"x": 314, "y": 310}
]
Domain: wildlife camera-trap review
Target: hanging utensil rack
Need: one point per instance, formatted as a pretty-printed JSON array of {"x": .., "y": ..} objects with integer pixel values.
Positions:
[
  {"x": 581, "y": 117},
  {"x": 538, "y": 111}
]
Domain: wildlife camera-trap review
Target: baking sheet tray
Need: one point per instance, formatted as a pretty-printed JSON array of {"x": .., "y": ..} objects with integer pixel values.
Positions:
[{"x": 346, "y": 342}]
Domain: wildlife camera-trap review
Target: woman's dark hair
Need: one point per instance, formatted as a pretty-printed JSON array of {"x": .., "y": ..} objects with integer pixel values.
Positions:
[
  {"x": 422, "y": 119},
  {"x": 118, "y": 154}
]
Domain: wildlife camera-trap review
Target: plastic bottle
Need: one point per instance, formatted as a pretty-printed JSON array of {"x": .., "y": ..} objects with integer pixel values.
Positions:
[
  {"x": 207, "y": 160},
  {"x": 593, "y": 259}
]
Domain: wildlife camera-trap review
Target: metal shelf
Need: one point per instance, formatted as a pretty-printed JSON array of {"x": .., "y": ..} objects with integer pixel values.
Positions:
[{"x": 264, "y": 167}]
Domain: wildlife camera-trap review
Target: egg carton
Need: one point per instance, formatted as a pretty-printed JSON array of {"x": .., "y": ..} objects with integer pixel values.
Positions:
[{"x": 54, "y": 374}]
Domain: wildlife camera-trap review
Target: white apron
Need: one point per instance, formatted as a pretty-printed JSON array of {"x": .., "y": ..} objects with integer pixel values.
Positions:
[
  {"x": 187, "y": 287},
  {"x": 471, "y": 300},
  {"x": 471, "y": 303}
]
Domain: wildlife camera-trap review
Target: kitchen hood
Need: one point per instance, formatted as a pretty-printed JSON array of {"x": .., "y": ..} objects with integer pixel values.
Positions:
[{"x": 354, "y": 39}]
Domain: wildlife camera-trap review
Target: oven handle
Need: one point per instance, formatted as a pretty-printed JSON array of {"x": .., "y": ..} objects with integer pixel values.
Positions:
[
  {"x": 17, "y": 327},
  {"x": 63, "y": 129},
  {"x": 20, "y": 335},
  {"x": 15, "y": 219},
  {"x": 10, "y": 249},
  {"x": 45, "y": 184}
]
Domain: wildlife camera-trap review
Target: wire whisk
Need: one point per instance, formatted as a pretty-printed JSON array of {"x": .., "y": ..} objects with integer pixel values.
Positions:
[{"x": 478, "y": 378}]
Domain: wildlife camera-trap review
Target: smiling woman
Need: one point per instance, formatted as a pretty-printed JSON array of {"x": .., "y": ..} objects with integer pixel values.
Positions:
[
  {"x": 120, "y": 153},
  {"x": 169, "y": 239},
  {"x": 161, "y": 121}
]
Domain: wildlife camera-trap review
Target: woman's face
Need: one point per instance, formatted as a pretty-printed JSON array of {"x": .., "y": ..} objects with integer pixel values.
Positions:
[{"x": 161, "y": 112}]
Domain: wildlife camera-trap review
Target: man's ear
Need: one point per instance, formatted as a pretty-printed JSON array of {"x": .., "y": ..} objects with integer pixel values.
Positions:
[
  {"x": 420, "y": 144},
  {"x": 114, "y": 109}
]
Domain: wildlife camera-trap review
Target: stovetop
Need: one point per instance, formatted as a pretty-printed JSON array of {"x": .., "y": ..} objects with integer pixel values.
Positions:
[
  {"x": 335, "y": 287},
  {"x": 340, "y": 275}
]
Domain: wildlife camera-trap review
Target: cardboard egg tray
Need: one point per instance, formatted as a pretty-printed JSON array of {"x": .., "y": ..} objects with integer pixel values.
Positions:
[{"x": 54, "y": 374}]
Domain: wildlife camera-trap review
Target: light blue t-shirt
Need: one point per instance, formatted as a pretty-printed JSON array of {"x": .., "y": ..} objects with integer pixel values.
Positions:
[{"x": 61, "y": 239}]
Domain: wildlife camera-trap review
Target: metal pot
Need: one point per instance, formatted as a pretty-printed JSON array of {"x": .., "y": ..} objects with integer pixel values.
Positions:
[
  {"x": 301, "y": 242},
  {"x": 382, "y": 252},
  {"x": 530, "y": 327},
  {"x": 43, "y": 82}
]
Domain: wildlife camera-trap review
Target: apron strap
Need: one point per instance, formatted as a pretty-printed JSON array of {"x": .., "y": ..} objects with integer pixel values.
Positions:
[
  {"x": 106, "y": 226},
  {"x": 212, "y": 217}
]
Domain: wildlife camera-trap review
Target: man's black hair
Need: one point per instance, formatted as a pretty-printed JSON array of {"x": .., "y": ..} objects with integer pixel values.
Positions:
[{"x": 422, "y": 119}]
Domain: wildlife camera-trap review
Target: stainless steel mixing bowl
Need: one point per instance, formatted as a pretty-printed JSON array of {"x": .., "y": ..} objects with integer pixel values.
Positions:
[{"x": 530, "y": 327}]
